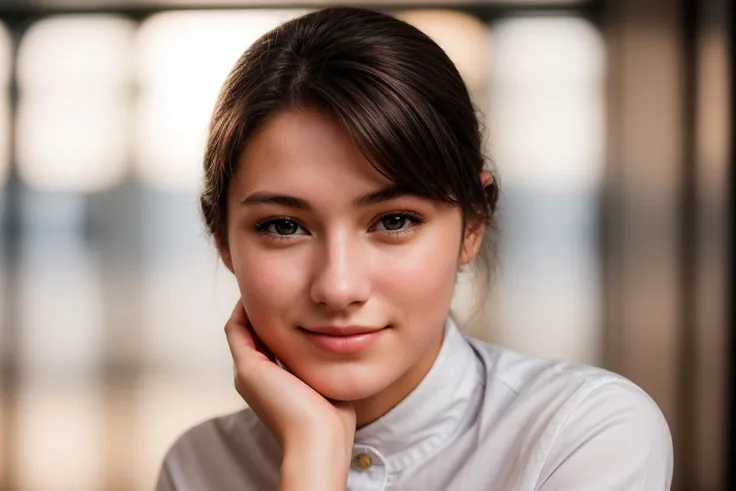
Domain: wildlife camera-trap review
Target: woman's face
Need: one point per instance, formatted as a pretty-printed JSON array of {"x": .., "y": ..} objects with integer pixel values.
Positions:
[{"x": 346, "y": 281}]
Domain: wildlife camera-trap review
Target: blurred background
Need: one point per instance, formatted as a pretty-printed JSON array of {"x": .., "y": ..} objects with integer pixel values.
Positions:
[{"x": 610, "y": 125}]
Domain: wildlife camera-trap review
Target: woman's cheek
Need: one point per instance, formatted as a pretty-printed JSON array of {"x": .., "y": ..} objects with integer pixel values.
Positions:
[
  {"x": 424, "y": 293},
  {"x": 423, "y": 273},
  {"x": 271, "y": 285}
]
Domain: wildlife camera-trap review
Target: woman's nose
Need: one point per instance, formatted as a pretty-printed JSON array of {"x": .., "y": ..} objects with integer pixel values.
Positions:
[{"x": 341, "y": 276}]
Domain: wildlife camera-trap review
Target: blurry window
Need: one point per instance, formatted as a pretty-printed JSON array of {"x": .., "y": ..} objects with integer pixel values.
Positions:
[{"x": 74, "y": 76}]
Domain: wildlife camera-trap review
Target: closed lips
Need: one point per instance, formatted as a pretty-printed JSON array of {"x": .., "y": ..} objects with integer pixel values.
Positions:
[{"x": 341, "y": 331}]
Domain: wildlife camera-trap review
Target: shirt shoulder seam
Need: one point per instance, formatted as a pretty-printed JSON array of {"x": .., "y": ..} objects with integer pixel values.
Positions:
[{"x": 590, "y": 385}]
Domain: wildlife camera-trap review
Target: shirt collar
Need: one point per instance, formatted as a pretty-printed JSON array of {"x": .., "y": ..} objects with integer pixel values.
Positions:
[{"x": 436, "y": 410}]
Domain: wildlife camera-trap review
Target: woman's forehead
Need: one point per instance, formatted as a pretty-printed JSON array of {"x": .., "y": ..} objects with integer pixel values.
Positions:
[{"x": 301, "y": 149}]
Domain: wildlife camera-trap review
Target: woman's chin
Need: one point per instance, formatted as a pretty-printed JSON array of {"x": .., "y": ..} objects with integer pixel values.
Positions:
[
  {"x": 346, "y": 394},
  {"x": 347, "y": 389}
]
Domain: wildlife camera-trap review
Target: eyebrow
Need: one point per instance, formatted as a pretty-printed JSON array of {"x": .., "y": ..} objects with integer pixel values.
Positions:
[{"x": 390, "y": 192}]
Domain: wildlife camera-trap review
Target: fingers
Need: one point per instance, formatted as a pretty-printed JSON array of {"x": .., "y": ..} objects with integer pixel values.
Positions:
[
  {"x": 262, "y": 347},
  {"x": 242, "y": 339},
  {"x": 239, "y": 337},
  {"x": 250, "y": 363},
  {"x": 238, "y": 315}
]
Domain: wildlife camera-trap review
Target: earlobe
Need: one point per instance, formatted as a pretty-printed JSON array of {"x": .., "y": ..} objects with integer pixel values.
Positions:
[
  {"x": 474, "y": 232},
  {"x": 473, "y": 237},
  {"x": 471, "y": 242},
  {"x": 486, "y": 178}
]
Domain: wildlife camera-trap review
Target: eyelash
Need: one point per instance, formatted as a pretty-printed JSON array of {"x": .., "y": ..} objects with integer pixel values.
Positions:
[
  {"x": 415, "y": 219},
  {"x": 262, "y": 227}
]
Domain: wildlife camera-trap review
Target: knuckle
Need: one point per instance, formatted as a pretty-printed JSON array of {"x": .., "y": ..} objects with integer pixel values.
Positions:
[
  {"x": 239, "y": 387},
  {"x": 228, "y": 327}
]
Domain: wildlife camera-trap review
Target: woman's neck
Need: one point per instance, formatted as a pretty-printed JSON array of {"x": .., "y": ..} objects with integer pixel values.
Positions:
[{"x": 371, "y": 408}]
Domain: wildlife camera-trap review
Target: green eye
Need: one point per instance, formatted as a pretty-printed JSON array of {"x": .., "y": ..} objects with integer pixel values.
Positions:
[
  {"x": 398, "y": 222},
  {"x": 280, "y": 228},
  {"x": 285, "y": 227},
  {"x": 394, "y": 222}
]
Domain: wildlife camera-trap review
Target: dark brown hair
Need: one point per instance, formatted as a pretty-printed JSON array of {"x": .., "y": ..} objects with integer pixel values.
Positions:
[{"x": 395, "y": 90}]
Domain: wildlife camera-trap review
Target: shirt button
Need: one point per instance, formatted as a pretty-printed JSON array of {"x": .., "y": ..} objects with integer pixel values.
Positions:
[{"x": 363, "y": 461}]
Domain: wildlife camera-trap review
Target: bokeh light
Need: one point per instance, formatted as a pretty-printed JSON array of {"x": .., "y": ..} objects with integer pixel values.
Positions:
[
  {"x": 547, "y": 110},
  {"x": 73, "y": 116},
  {"x": 183, "y": 59},
  {"x": 469, "y": 51},
  {"x": 546, "y": 115}
]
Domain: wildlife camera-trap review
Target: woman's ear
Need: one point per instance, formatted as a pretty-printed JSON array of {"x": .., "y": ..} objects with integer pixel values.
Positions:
[
  {"x": 224, "y": 252},
  {"x": 474, "y": 230},
  {"x": 472, "y": 241}
]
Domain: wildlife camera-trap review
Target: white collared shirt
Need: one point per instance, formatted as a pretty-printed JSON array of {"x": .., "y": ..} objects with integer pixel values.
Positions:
[{"x": 483, "y": 419}]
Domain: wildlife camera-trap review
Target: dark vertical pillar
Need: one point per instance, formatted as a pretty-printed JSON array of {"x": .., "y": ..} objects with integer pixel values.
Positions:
[{"x": 731, "y": 284}]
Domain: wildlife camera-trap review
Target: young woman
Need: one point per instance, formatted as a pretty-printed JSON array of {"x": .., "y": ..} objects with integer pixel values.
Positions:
[{"x": 344, "y": 188}]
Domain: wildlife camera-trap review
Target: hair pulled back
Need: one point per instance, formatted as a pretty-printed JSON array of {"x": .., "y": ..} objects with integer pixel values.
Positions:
[{"x": 394, "y": 89}]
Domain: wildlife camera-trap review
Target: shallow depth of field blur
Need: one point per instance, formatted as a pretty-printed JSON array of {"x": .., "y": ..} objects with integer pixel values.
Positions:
[{"x": 608, "y": 123}]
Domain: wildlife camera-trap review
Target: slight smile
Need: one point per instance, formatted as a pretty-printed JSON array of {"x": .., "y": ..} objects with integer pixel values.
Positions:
[{"x": 345, "y": 340}]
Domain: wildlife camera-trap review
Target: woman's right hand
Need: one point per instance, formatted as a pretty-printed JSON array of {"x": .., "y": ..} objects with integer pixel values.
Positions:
[{"x": 315, "y": 434}]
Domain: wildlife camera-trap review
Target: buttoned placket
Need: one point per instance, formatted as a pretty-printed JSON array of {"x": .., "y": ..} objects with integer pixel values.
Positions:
[
  {"x": 421, "y": 424},
  {"x": 368, "y": 470}
]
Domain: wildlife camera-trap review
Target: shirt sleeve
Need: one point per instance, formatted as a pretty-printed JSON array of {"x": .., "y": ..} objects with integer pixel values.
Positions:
[
  {"x": 165, "y": 482},
  {"x": 615, "y": 439}
]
